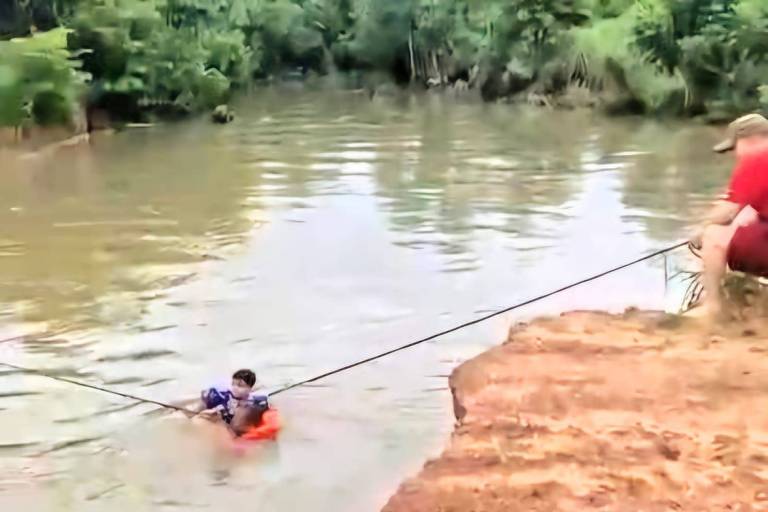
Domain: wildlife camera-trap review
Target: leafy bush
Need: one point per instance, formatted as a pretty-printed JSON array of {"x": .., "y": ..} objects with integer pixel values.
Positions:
[
  {"x": 382, "y": 30},
  {"x": 610, "y": 59},
  {"x": 39, "y": 80},
  {"x": 132, "y": 51}
]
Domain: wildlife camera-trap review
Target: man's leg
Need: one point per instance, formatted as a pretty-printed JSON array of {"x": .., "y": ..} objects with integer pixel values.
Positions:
[{"x": 714, "y": 256}]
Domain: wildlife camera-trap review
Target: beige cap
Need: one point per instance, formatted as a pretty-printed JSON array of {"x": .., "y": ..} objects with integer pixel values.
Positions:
[{"x": 745, "y": 126}]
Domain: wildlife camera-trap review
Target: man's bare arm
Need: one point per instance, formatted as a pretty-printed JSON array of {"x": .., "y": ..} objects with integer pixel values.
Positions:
[{"x": 722, "y": 213}]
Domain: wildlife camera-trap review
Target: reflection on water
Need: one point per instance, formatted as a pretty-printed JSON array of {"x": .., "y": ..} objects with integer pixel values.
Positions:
[{"x": 318, "y": 228}]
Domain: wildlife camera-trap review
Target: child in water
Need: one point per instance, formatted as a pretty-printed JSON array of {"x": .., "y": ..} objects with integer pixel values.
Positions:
[{"x": 237, "y": 400}]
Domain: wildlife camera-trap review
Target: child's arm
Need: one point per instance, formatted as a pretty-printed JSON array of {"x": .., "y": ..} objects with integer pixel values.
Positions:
[
  {"x": 210, "y": 414},
  {"x": 201, "y": 409}
]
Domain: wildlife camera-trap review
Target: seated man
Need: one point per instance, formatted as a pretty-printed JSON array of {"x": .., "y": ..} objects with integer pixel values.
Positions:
[{"x": 735, "y": 233}]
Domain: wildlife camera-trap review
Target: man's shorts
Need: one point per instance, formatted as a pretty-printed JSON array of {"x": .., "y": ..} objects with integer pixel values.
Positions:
[{"x": 748, "y": 250}]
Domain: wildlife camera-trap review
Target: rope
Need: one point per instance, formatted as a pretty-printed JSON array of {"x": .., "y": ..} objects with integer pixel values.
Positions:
[
  {"x": 98, "y": 388},
  {"x": 478, "y": 320},
  {"x": 12, "y": 338},
  {"x": 362, "y": 361}
]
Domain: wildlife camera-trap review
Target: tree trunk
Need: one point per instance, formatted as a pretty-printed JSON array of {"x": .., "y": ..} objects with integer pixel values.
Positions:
[{"x": 410, "y": 51}]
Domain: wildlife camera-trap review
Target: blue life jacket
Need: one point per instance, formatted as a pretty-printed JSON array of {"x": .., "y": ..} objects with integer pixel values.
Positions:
[{"x": 227, "y": 403}]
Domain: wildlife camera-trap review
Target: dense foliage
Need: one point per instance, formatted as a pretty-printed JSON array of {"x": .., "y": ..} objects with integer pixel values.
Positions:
[{"x": 176, "y": 56}]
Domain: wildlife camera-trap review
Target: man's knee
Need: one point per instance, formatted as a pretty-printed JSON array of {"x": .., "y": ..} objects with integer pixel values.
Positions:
[{"x": 746, "y": 216}]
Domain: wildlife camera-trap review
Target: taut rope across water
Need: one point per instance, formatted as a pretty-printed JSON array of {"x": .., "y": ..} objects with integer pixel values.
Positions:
[{"x": 349, "y": 366}]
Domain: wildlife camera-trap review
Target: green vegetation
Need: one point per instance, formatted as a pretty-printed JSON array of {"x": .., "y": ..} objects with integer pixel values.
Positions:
[
  {"x": 135, "y": 57},
  {"x": 38, "y": 80}
]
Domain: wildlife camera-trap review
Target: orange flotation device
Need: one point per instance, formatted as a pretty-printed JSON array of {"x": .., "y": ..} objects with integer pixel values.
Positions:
[{"x": 267, "y": 429}]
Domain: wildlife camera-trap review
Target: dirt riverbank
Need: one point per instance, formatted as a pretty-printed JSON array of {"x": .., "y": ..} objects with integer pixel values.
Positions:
[{"x": 590, "y": 411}]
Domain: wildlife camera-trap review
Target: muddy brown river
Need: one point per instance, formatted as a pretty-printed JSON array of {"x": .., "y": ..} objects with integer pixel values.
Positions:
[{"x": 318, "y": 228}]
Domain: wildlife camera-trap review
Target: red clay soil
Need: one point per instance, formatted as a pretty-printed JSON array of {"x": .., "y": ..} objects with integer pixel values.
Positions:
[{"x": 591, "y": 411}]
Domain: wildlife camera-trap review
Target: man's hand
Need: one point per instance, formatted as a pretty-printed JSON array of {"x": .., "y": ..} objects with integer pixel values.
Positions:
[{"x": 697, "y": 238}]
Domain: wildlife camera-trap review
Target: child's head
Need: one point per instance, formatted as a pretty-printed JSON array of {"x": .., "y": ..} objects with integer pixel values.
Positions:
[{"x": 242, "y": 383}]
